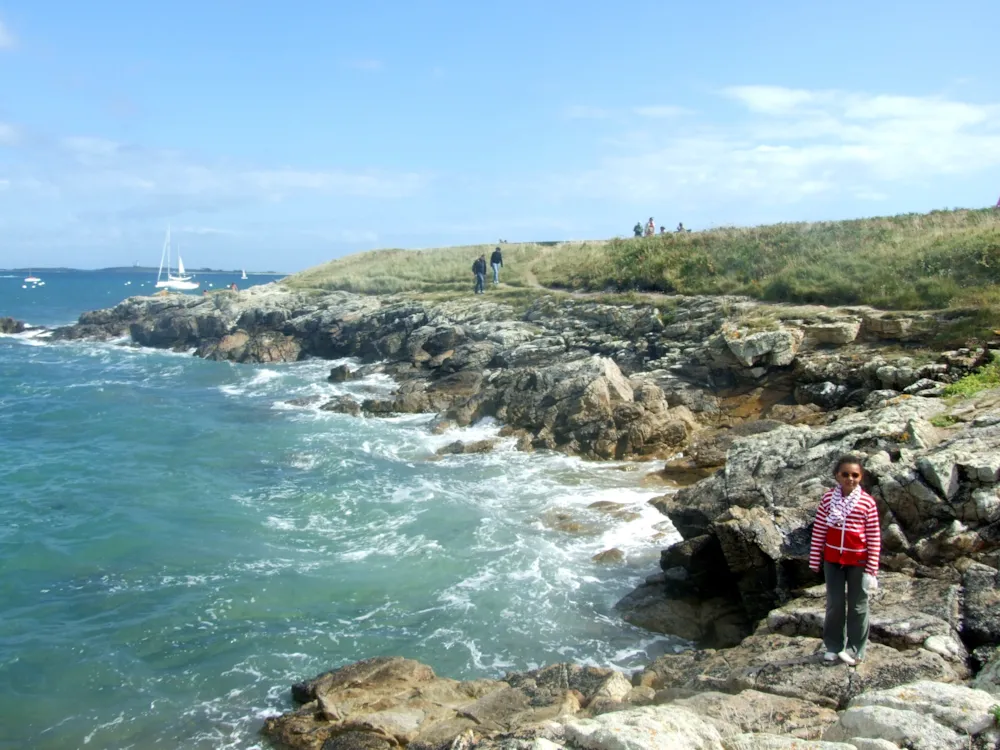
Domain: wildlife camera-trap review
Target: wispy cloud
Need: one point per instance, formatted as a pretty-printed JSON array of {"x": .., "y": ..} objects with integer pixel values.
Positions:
[
  {"x": 7, "y": 39},
  {"x": 370, "y": 64},
  {"x": 662, "y": 111},
  {"x": 788, "y": 144},
  {"x": 585, "y": 112},
  {"x": 9, "y": 135}
]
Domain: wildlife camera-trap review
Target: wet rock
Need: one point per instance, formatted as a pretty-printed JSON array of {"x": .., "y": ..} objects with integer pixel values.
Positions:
[
  {"x": 343, "y": 405},
  {"x": 618, "y": 511},
  {"x": 611, "y": 556},
  {"x": 826, "y": 395},
  {"x": 474, "y": 446},
  {"x": 340, "y": 374},
  {"x": 10, "y": 325}
]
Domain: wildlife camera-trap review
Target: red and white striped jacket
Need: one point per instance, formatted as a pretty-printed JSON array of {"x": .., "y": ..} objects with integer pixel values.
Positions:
[{"x": 857, "y": 542}]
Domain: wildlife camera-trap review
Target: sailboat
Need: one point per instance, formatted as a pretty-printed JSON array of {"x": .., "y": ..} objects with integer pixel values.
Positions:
[
  {"x": 180, "y": 281},
  {"x": 244, "y": 276},
  {"x": 32, "y": 279}
]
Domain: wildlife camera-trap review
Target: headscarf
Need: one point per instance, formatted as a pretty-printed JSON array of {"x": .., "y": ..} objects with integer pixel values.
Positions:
[{"x": 840, "y": 506}]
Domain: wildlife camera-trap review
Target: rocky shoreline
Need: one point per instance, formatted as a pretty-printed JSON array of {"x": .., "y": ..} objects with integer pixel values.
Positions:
[{"x": 753, "y": 403}]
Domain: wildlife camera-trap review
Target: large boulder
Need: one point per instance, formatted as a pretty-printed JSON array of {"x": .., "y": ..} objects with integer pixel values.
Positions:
[
  {"x": 391, "y": 702},
  {"x": 584, "y": 406}
]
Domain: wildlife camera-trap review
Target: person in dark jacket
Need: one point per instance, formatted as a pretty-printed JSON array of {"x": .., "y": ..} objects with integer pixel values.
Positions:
[
  {"x": 847, "y": 541},
  {"x": 496, "y": 261},
  {"x": 479, "y": 269},
  {"x": 637, "y": 229}
]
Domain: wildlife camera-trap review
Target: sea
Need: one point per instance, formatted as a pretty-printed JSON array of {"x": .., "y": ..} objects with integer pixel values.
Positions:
[{"x": 178, "y": 543}]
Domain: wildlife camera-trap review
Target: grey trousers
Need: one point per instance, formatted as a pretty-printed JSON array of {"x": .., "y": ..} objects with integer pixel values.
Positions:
[{"x": 840, "y": 631}]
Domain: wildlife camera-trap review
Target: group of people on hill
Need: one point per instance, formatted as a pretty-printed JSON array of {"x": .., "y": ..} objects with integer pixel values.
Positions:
[
  {"x": 650, "y": 229},
  {"x": 479, "y": 270}
]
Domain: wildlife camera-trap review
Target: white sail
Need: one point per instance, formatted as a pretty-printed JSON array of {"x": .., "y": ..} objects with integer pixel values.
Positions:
[{"x": 181, "y": 281}]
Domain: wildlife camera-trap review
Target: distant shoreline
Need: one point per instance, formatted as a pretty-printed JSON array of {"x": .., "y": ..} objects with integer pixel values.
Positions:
[{"x": 136, "y": 269}]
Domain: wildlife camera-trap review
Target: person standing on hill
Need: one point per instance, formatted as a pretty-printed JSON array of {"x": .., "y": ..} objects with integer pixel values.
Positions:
[
  {"x": 637, "y": 229},
  {"x": 479, "y": 269},
  {"x": 847, "y": 540},
  {"x": 496, "y": 262},
  {"x": 650, "y": 227}
]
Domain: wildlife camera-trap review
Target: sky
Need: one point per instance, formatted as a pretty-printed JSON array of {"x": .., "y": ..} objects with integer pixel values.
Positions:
[{"x": 274, "y": 135}]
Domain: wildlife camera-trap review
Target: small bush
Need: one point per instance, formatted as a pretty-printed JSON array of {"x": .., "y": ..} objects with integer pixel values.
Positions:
[{"x": 987, "y": 376}]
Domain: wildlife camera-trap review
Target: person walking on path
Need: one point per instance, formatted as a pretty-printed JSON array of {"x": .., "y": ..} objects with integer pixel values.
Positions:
[
  {"x": 847, "y": 540},
  {"x": 496, "y": 261},
  {"x": 479, "y": 269}
]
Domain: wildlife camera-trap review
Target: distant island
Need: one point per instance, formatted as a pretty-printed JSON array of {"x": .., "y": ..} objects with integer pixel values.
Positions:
[{"x": 136, "y": 269}]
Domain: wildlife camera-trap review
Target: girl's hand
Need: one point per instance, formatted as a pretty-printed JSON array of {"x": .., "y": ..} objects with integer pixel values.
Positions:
[{"x": 869, "y": 583}]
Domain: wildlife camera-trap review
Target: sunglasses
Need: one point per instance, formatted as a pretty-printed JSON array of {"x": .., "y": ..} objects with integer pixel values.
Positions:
[{"x": 849, "y": 475}]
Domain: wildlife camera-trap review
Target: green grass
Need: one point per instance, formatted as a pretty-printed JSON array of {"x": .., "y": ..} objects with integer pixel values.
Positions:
[
  {"x": 944, "y": 260},
  {"x": 985, "y": 377},
  {"x": 439, "y": 270}
]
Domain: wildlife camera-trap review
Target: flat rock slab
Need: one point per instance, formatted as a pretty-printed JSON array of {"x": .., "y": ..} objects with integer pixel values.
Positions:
[
  {"x": 752, "y": 711},
  {"x": 777, "y": 742},
  {"x": 794, "y": 667},
  {"x": 904, "y": 728},
  {"x": 963, "y": 709},
  {"x": 905, "y": 613},
  {"x": 647, "y": 728}
]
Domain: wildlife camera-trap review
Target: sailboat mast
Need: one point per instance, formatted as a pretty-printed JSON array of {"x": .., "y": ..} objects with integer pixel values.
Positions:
[{"x": 165, "y": 253}]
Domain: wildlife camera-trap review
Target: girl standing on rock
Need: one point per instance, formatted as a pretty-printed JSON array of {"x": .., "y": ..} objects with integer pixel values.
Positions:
[{"x": 847, "y": 539}]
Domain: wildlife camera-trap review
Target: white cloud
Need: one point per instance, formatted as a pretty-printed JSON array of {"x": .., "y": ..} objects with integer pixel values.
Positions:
[
  {"x": 95, "y": 167},
  {"x": 7, "y": 40},
  {"x": 789, "y": 144}
]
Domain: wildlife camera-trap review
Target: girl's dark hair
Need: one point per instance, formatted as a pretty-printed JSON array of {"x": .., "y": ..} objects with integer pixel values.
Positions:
[{"x": 847, "y": 458}]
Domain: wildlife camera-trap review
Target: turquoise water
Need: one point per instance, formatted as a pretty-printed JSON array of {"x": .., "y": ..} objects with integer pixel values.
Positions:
[{"x": 178, "y": 544}]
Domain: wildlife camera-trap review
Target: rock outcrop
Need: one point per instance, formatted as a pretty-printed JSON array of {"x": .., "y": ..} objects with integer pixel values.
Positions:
[
  {"x": 10, "y": 325},
  {"x": 753, "y": 404},
  {"x": 772, "y": 692}
]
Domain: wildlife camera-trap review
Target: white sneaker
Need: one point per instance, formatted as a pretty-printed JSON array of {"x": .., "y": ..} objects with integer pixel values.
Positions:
[
  {"x": 830, "y": 656},
  {"x": 847, "y": 658}
]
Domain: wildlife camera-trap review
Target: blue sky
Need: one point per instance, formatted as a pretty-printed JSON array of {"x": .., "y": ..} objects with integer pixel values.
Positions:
[{"x": 279, "y": 135}]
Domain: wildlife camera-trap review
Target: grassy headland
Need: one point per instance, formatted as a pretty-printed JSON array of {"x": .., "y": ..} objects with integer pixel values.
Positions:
[{"x": 944, "y": 259}]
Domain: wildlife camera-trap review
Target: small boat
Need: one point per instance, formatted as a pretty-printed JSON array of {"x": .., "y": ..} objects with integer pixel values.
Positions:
[
  {"x": 179, "y": 281},
  {"x": 31, "y": 279},
  {"x": 244, "y": 276}
]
